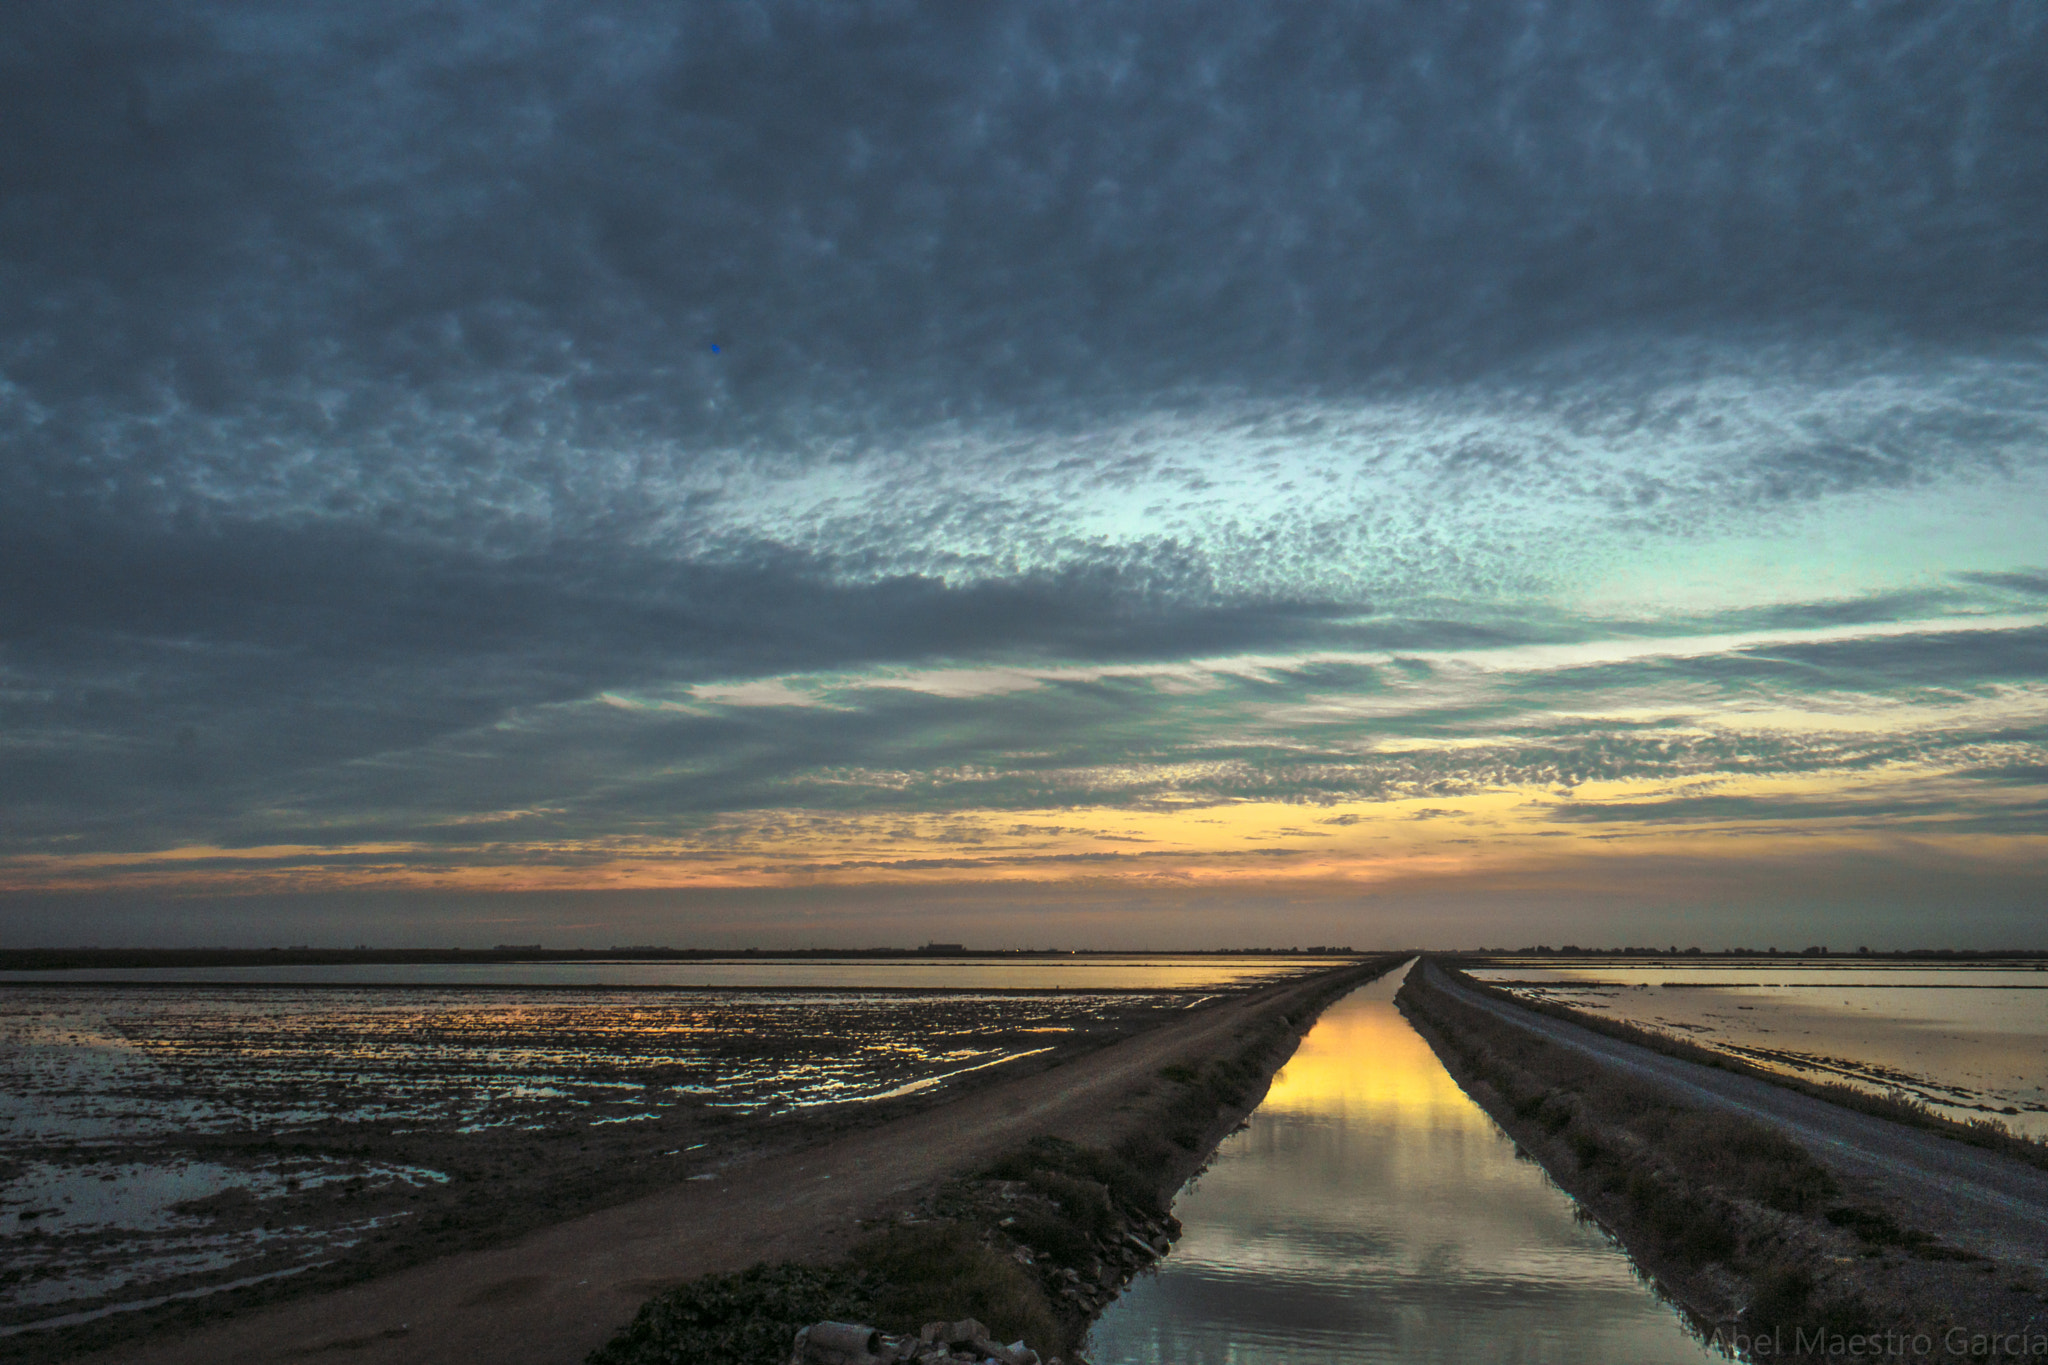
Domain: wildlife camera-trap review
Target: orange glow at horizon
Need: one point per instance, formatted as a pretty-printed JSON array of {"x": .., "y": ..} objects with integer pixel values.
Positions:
[{"x": 1467, "y": 837}]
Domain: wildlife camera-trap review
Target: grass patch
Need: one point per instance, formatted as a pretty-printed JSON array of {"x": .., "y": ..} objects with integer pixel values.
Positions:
[
  {"x": 744, "y": 1319},
  {"x": 939, "y": 1271},
  {"x": 1087, "y": 1178},
  {"x": 897, "y": 1280},
  {"x": 1089, "y": 1196},
  {"x": 1876, "y": 1228}
]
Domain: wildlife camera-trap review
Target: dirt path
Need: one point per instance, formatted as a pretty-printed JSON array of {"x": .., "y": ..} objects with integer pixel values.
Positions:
[
  {"x": 554, "y": 1295},
  {"x": 1974, "y": 1199}
]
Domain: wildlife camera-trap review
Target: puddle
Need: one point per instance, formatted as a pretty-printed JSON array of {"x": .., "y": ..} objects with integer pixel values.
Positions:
[{"x": 81, "y": 1230}]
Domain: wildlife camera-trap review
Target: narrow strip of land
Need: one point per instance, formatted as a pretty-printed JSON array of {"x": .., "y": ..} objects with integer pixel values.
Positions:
[
  {"x": 552, "y": 1296},
  {"x": 1975, "y": 1199}
]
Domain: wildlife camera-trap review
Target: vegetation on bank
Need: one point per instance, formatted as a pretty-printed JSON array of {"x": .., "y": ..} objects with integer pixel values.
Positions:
[
  {"x": 1738, "y": 1222},
  {"x": 1988, "y": 1133},
  {"x": 1032, "y": 1245}
]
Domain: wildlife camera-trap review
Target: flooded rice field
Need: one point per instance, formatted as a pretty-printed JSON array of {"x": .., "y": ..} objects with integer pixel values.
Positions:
[
  {"x": 1072, "y": 972},
  {"x": 159, "y": 1141},
  {"x": 1968, "y": 1041},
  {"x": 1368, "y": 1212}
]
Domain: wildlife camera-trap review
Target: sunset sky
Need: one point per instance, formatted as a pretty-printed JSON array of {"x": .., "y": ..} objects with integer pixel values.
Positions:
[{"x": 1079, "y": 474}]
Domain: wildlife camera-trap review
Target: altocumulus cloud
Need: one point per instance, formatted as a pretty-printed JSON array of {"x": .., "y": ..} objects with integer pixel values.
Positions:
[{"x": 361, "y": 427}]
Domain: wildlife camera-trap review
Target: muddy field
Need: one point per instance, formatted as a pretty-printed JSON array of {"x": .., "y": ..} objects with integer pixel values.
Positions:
[{"x": 167, "y": 1143}]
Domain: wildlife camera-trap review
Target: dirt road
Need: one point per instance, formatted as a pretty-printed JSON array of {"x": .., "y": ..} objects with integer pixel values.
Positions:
[
  {"x": 1974, "y": 1199},
  {"x": 552, "y": 1296}
]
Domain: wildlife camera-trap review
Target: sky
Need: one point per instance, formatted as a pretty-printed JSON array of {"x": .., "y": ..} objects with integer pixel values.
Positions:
[{"x": 1034, "y": 474}]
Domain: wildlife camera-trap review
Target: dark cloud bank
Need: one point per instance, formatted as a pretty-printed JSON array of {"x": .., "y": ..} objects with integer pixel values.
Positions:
[
  {"x": 896, "y": 209},
  {"x": 342, "y": 355}
]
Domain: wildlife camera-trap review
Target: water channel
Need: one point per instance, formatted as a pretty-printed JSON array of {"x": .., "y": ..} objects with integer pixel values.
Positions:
[{"x": 1371, "y": 1212}]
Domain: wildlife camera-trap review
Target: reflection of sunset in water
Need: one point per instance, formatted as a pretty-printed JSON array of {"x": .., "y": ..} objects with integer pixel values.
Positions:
[
  {"x": 1369, "y": 1062},
  {"x": 1371, "y": 1212}
]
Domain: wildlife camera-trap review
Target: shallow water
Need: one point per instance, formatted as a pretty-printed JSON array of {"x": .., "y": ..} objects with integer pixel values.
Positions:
[
  {"x": 140, "y": 1126},
  {"x": 1969, "y": 1041},
  {"x": 940, "y": 973},
  {"x": 1371, "y": 1212},
  {"x": 83, "y": 1064}
]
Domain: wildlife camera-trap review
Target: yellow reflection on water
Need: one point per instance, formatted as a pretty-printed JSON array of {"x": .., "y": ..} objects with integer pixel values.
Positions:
[
  {"x": 1370, "y": 1061},
  {"x": 1370, "y": 1212}
]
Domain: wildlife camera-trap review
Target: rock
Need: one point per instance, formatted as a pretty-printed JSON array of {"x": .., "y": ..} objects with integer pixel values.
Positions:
[
  {"x": 1016, "y": 1353},
  {"x": 841, "y": 1343},
  {"x": 850, "y": 1337},
  {"x": 965, "y": 1331}
]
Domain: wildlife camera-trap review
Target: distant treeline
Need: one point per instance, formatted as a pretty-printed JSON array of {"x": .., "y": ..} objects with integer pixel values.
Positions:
[{"x": 73, "y": 959}]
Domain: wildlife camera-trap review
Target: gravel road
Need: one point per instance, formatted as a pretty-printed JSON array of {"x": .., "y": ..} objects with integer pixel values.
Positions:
[{"x": 1974, "y": 1199}]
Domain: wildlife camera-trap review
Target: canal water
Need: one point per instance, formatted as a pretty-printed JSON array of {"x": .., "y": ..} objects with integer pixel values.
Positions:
[{"x": 1371, "y": 1212}]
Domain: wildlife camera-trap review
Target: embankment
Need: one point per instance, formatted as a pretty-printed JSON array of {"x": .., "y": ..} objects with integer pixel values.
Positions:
[
  {"x": 1034, "y": 1242},
  {"x": 1757, "y": 1236}
]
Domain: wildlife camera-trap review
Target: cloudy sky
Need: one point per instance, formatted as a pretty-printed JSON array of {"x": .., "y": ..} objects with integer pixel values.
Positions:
[{"x": 1087, "y": 473}]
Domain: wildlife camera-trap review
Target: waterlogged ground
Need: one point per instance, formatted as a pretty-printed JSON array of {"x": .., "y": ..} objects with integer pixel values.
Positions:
[
  {"x": 1048, "y": 972},
  {"x": 161, "y": 1141},
  {"x": 1971, "y": 1042}
]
